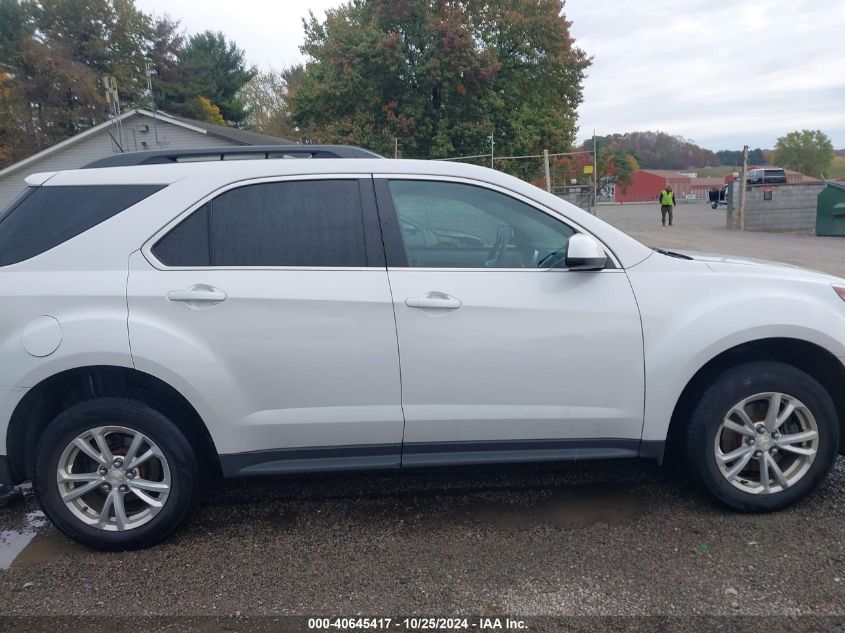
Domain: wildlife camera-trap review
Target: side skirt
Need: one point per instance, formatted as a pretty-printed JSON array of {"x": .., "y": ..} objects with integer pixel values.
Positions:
[{"x": 394, "y": 456}]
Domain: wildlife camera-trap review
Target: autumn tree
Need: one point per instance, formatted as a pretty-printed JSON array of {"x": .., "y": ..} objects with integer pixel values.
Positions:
[
  {"x": 55, "y": 53},
  {"x": 442, "y": 76},
  {"x": 616, "y": 169},
  {"x": 659, "y": 150},
  {"x": 266, "y": 96},
  {"x": 48, "y": 93},
  {"x": 808, "y": 151}
]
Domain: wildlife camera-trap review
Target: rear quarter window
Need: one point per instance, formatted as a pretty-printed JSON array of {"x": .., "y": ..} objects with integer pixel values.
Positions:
[{"x": 45, "y": 217}]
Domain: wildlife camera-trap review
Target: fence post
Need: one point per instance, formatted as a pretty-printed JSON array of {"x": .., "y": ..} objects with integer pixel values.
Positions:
[
  {"x": 743, "y": 186},
  {"x": 546, "y": 165}
]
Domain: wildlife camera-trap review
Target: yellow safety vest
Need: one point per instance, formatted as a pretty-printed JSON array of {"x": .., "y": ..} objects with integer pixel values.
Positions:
[{"x": 666, "y": 198}]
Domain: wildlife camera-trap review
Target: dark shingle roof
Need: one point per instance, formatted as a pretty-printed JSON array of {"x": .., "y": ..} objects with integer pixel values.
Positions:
[{"x": 242, "y": 137}]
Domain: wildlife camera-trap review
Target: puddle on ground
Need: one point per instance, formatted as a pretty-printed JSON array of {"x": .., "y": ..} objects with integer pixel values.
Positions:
[
  {"x": 13, "y": 542},
  {"x": 566, "y": 509},
  {"x": 29, "y": 545}
]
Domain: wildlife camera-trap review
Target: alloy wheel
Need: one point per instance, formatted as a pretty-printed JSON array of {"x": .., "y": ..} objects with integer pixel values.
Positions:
[
  {"x": 113, "y": 478},
  {"x": 766, "y": 443}
]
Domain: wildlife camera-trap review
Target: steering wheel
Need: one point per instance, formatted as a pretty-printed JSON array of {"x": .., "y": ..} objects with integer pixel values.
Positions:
[{"x": 504, "y": 235}]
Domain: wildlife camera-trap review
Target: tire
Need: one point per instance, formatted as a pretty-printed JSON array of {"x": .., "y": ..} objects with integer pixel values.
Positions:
[
  {"x": 169, "y": 477},
  {"x": 785, "y": 385}
]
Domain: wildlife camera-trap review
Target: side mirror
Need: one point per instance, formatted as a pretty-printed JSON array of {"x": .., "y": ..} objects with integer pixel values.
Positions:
[{"x": 584, "y": 253}]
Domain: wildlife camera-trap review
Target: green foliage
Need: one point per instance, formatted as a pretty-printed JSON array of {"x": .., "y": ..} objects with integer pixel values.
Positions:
[
  {"x": 733, "y": 158},
  {"x": 808, "y": 151},
  {"x": 55, "y": 53},
  {"x": 616, "y": 168},
  {"x": 442, "y": 76},
  {"x": 213, "y": 67}
]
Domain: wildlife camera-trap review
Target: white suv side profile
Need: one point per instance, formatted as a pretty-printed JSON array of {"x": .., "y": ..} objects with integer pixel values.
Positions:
[{"x": 164, "y": 320}]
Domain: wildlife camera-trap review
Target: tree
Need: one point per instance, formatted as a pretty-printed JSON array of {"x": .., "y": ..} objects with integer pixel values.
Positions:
[
  {"x": 616, "y": 169},
  {"x": 110, "y": 37},
  {"x": 442, "y": 76},
  {"x": 733, "y": 158},
  {"x": 266, "y": 97},
  {"x": 55, "y": 53},
  {"x": 171, "y": 77},
  {"x": 658, "y": 150},
  {"x": 207, "y": 66},
  {"x": 808, "y": 151},
  {"x": 47, "y": 92}
]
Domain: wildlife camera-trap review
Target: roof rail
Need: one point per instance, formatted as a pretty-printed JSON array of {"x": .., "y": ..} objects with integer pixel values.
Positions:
[{"x": 160, "y": 157}]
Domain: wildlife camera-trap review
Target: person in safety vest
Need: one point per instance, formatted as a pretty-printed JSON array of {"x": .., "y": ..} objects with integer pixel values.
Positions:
[{"x": 667, "y": 204}]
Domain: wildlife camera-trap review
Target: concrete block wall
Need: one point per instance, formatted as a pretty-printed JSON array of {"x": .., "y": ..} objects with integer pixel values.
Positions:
[{"x": 791, "y": 209}]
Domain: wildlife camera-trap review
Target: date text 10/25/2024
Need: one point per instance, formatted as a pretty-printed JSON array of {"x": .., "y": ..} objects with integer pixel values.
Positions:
[{"x": 416, "y": 624}]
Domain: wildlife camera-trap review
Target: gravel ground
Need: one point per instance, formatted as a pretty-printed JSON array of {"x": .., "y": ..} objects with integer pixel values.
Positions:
[
  {"x": 588, "y": 539},
  {"x": 697, "y": 227},
  {"x": 601, "y": 538}
]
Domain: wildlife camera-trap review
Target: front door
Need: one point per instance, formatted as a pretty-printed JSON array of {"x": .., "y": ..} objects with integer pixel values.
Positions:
[
  {"x": 502, "y": 357},
  {"x": 269, "y": 308}
]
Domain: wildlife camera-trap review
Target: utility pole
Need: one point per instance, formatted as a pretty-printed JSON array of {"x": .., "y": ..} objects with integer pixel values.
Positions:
[
  {"x": 743, "y": 186},
  {"x": 492, "y": 143},
  {"x": 595, "y": 174},
  {"x": 148, "y": 71},
  {"x": 546, "y": 165}
]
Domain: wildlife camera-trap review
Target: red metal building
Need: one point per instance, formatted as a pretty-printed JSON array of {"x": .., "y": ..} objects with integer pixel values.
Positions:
[{"x": 647, "y": 183}]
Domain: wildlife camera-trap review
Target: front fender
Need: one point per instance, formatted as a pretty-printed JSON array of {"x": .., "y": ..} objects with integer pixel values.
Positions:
[{"x": 691, "y": 316}]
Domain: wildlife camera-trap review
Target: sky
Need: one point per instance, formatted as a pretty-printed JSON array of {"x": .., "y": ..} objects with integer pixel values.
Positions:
[{"x": 720, "y": 73}]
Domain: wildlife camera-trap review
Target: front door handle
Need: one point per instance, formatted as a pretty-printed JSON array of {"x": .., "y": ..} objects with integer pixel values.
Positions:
[
  {"x": 198, "y": 294},
  {"x": 434, "y": 300}
]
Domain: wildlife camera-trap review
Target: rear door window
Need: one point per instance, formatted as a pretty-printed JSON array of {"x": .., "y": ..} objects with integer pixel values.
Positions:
[
  {"x": 308, "y": 223},
  {"x": 48, "y": 216}
]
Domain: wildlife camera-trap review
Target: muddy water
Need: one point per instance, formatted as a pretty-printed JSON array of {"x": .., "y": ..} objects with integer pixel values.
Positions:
[
  {"x": 32, "y": 543},
  {"x": 15, "y": 541}
]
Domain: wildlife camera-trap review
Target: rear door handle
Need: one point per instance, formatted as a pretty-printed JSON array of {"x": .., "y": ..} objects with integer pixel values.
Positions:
[
  {"x": 434, "y": 300},
  {"x": 198, "y": 294}
]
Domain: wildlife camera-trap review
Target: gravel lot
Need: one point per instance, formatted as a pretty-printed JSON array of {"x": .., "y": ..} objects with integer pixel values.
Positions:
[
  {"x": 697, "y": 227},
  {"x": 600, "y": 538}
]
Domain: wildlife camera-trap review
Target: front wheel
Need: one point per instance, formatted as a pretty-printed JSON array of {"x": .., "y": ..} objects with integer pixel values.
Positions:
[
  {"x": 114, "y": 473},
  {"x": 763, "y": 436}
]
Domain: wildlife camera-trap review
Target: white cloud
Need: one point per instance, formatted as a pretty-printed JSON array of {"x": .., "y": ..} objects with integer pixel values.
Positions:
[{"x": 724, "y": 74}]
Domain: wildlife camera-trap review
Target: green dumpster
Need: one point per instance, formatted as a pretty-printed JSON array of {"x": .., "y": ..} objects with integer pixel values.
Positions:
[{"x": 830, "y": 213}]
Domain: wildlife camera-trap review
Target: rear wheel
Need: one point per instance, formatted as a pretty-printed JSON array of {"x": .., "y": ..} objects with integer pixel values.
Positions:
[
  {"x": 763, "y": 436},
  {"x": 114, "y": 473}
]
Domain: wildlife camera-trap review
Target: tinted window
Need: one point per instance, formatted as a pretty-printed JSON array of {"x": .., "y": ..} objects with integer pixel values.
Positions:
[
  {"x": 299, "y": 223},
  {"x": 49, "y": 216},
  {"x": 775, "y": 175},
  {"x": 452, "y": 225},
  {"x": 188, "y": 243}
]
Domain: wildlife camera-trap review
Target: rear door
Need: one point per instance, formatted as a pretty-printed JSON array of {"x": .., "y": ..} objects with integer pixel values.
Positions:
[
  {"x": 268, "y": 305},
  {"x": 504, "y": 358}
]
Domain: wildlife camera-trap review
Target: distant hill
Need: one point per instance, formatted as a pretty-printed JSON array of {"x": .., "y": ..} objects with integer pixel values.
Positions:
[
  {"x": 839, "y": 152},
  {"x": 657, "y": 150}
]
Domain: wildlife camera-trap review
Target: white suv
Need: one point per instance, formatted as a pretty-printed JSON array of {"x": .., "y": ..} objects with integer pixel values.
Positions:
[{"x": 163, "y": 323}]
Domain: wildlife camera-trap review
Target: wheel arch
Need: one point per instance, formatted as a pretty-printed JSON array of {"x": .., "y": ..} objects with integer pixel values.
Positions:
[
  {"x": 48, "y": 398},
  {"x": 811, "y": 358}
]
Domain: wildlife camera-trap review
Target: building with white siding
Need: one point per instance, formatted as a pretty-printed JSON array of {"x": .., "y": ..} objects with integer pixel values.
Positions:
[{"x": 134, "y": 130}]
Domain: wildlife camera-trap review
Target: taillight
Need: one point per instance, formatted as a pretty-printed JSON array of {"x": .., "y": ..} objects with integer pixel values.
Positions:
[{"x": 840, "y": 291}]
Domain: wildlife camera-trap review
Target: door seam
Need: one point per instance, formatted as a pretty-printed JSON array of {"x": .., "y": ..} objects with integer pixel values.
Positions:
[{"x": 395, "y": 323}]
